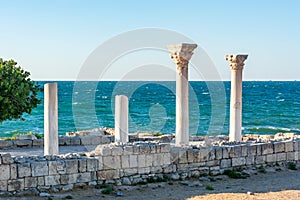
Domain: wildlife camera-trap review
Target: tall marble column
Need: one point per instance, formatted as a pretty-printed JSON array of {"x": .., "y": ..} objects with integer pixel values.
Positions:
[
  {"x": 121, "y": 119},
  {"x": 50, "y": 119},
  {"x": 181, "y": 54},
  {"x": 236, "y": 65}
]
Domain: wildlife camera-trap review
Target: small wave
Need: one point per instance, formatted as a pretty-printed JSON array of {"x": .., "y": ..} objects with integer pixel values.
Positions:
[
  {"x": 104, "y": 97},
  {"x": 281, "y": 100},
  {"x": 75, "y": 103},
  {"x": 205, "y": 93}
]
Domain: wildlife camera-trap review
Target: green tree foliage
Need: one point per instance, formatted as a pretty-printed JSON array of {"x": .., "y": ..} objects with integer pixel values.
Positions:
[{"x": 18, "y": 93}]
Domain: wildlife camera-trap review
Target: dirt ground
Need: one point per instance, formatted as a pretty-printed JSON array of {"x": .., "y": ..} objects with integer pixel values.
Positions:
[{"x": 271, "y": 185}]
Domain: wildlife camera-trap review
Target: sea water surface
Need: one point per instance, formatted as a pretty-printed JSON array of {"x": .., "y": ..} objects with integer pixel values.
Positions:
[{"x": 268, "y": 107}]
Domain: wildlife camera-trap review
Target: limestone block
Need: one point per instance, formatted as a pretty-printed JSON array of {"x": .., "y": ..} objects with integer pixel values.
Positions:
[
  {"x": 111, "y": 162},
  {"x": 260, "y": 159},
  {"x": 6, "y": 159},
  {"x": 145, "y": 149},
  {"x": 144, "y": 170},
  {"x": 141, "y": 160},
  {"x": 244, "y": 150},
  {"x": 52, "y": 167},
  {"x": 41, "y": 181},
  {"x": 130, "y": 171},
  {"x": 289, "y": 146},
  {"x": 13, "y": 171},
  {"x": 4, "y": 172},
  {"x": 133, "y": 161},
  {"x": 252, "y": 150},
  {"x": 168, "y": 169},
  {"x": 158, "y": 159},
  {"x": 103, "y": 150},
  {"x": 297, "y": 145},
  {"x": 52, "y": 180},
  {"x": 38, "y": 143},
  {"x": 267, "y": 148},
  {"x": 92, "y": 164},
  {"x": 225, "y": 152},
  {"x": 124, "y": 162},
  {"x": 212, "y": 154},
  {"x": 212, "y": 163},
  {"x": 225, "y": 163},
  {"x": 204, "y": 155},
  {"x": 23, "y": 143},
  {"x": 108, "y": 174},
  {"x": 279, "y": 147},
  {"x": 190, "y": 156},
  {"x": 235, "y": 152},
  {"x": 82, "y": 165},
  {"x": 258, "y": 150},
  {"x": 31, "y": 182},
  {"x": 149, "y": 160},
  {"x": 271, "y": 158},
  {"x": 117, "y": 151},
  {"x": 175, "y": 154},
  {"x": 166, "y": 159},
  {"x": 15, "y": 185},
  {"x": 165, "y": 147},
  {"x": 204, "y": 170},
  {"x": 153, "y": 149},
  {"x": 219, "y": 153},
  {"x": 291, "y": 156},
  {"x": 158, "y": 148},
  {"x": 84, "y": 177},
  {"x": 128, "y": 150},
  {"x": 195, "y": 166},
  {"x": 61, "y": 167},
  {"x": 68, "y": 178},
  {"x": 3, "y": 186},
  {"x": 250, "y": 160},
  {"x": 214, "y": 170},
  {"x": 75, "y": 141},
  {"x": 90, "y": 140},
  {"x": 6, "y": 144},
  {"x": 280, "y": 157},
  {"x": 238, "y": 161},
  {"x": 100, "y": 162},
  {"x": 71, "y": 166},
  {"x": 182, "y": 156},
  {"x": 39, "y": 168},
  {"x": 93, "y": 176},
  {"x": 196, "y": 155}
]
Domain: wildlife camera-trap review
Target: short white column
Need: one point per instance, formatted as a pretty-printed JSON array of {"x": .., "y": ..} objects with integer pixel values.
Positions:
[
  {"x": 236, "y": 65},
  {"x": 181, "y": 54},
  {"x": 121, "y": 119},
  {"x": 50, "y": 119}
]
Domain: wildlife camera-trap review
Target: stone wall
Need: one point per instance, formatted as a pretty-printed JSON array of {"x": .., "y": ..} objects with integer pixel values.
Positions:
[
  {"x": 63, "y": 141},
  {"x": 132, "y": 164}
]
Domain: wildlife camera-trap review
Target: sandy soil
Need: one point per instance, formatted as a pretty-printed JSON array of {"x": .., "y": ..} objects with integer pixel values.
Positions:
[{"x": 278, "y": 185}]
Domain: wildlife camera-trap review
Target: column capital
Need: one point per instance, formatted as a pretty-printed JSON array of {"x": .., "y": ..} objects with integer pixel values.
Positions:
[
  {"x": 236, "y": 61},
  {"x": 181, "y": 54}
]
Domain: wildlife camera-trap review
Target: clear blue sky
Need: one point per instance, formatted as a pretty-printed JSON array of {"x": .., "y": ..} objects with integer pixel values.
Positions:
[{"x": 52, "y": 39}]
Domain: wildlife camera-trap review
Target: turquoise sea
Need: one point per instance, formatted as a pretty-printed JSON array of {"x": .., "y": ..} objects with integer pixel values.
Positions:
[{"x": 268, "y": 107}]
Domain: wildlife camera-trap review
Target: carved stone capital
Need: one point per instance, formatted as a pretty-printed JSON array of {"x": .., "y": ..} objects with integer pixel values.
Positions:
[
  {"x": 236, "y": 61},
  {"x": 181, "y": 54}
]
